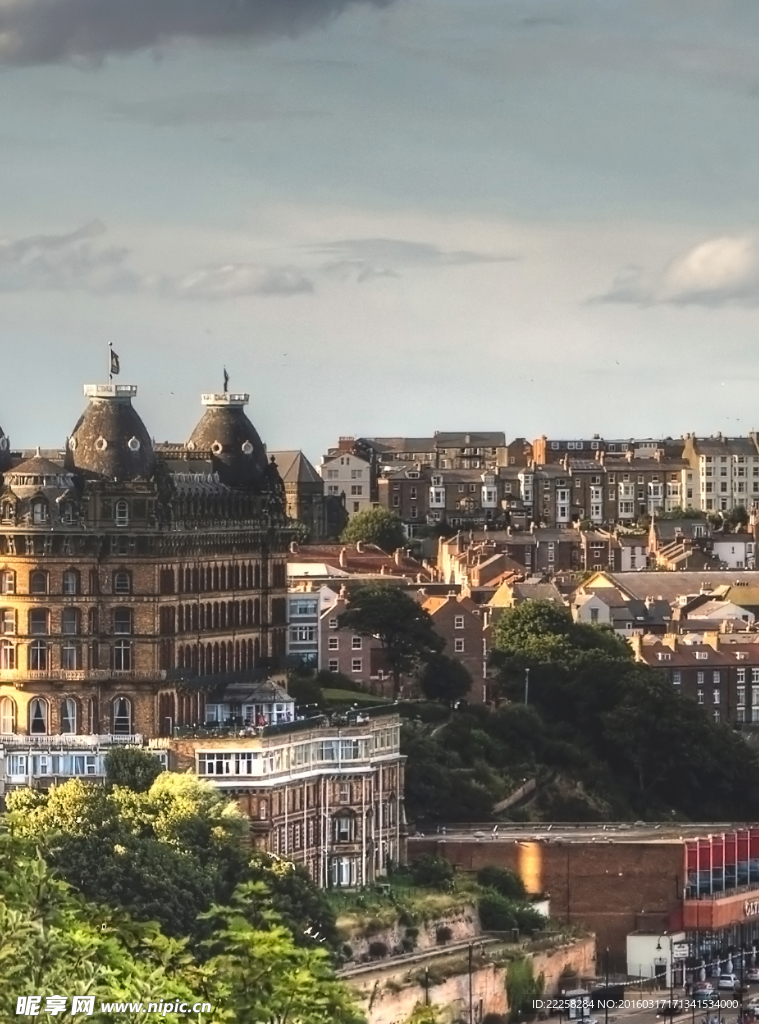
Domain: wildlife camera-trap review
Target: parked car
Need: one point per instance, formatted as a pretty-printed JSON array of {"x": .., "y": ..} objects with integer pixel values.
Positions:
[
  {"x": 752, "y": 974},
  {"x": 703, "y": 988},
  {"x": 729, "y": 981}
]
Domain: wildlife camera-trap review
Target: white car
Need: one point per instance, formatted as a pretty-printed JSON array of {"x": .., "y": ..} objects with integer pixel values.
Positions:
[
  {"x": 729, "y": 981},
  {"x": 703, "y": 989},
  {"x": 752, "y": 974}
]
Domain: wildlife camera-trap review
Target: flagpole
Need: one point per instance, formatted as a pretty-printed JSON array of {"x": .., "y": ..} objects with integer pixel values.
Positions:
[{"x": 110, "y": 362}]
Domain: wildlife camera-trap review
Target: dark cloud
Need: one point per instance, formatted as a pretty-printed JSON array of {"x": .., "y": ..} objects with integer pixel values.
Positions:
[{"x": 45, "y": 31}]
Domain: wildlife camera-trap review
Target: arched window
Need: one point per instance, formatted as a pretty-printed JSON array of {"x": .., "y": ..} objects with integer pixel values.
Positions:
[
  {"x": 7, "y": 655},
  {"x": 38, "y": 582},
  {"x": 38, "y": 622},
  {"x": 7, "y": 512},
  {"x": 263, "y": 809},
  {"x": 71, "y": 582},
  {"x": 7, "y": 715},
  {"x": 122, "y": 583},
  {"x": 122, "y": 621},
  {"x": 71, "y": 656},
  {"x": 68, "y": 715},
  {"x": 122, "y": 656},
  {"x": 38, "y": 716},
  {"x": 38, "y": 656},
  {"x": 70, "y": 621},
  {"x": 122, "y": 716},
  {"x": 7, "y": 581},
  {"x": 68, "y": 513},
  {"x": 40, "y": 513},
  {"x": 121, "y": 514}
]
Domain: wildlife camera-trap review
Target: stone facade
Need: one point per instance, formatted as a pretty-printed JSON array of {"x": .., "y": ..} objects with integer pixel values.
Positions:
[
  {"x": 325, "y": 794},
  {"x": 135, "y": 581}
]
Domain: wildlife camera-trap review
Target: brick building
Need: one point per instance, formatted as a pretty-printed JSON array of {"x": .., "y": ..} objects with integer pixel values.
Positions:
[
  {"x": 621, "y": 879},
  {"x": 324, "y": 794},
  {"x": 464, "y": 627},
  {"x": 135, "y": 579}
]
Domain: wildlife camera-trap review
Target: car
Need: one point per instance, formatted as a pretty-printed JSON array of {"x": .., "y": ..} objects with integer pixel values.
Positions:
[
  {"x": 702, "y": 989},
  {"x": 752, "y": 1005},
  {"x": 752, "y": 974},
  {"x": 729, "y": 981}
]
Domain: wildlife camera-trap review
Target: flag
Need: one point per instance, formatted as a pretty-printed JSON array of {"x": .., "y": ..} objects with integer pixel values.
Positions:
[
  {"x": 115, "y": 365},
  {"x": 226, "y": 380}
]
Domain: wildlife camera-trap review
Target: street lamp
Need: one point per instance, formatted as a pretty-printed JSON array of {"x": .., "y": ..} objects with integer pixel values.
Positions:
[{"x": 527, "y": 686}]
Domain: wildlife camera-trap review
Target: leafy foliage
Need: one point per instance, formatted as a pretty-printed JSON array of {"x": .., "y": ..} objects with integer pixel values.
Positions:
[
  {"x": 53, "y": 941},
  {"x": 431, "y": 870},
  {"x": 444, "y": 679},
  {"x": 603, "y": 736},
  {"x": 166, "y": 855},
  {"x": 502, "y": 881},
  {"x": 375, "y": 526},
  {"x": 132, "y": 768},
  {"x": 402, "y": 626},
  {"x": 522, "y": 987}
]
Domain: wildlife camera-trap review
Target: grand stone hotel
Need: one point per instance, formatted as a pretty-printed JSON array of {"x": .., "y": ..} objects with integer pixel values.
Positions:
[
  {"x": 132, "y": 574},
  {"x": 143, "y": 601}
]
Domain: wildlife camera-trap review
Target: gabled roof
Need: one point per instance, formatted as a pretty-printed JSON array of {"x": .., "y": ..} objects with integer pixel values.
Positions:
[{"x": 294, "y": 467}]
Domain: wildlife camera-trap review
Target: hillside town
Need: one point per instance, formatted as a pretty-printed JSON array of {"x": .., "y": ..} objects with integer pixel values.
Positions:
[{"x": 187, "y": 599}]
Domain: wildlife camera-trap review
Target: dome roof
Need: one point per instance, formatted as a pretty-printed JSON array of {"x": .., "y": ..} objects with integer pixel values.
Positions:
[
  {"x": 238, "y": 452},
  {"x": 38, "y": 473},
  {"x": 110, "y": 439}
]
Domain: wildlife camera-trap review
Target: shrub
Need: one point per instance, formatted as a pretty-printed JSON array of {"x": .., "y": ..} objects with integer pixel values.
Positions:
[
  {"x": 443, "y": 934},
  {"x": 432, "y": 871},
  {"x": 497, "y": 913},
  {"x": 502, "y": 881},
  {"x": 377, "y": 948}
]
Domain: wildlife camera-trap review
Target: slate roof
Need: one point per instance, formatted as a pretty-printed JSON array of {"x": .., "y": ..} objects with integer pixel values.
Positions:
[{"x": 294, "y": 467}]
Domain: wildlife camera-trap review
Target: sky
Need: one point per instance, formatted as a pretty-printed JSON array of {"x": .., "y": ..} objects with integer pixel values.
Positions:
[{"x": 384, "y": 218}]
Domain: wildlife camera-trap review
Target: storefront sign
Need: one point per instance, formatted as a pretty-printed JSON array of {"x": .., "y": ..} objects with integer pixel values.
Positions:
[
  {"x": 680, "y": 951},
  {"x": 751, "y": 908}
]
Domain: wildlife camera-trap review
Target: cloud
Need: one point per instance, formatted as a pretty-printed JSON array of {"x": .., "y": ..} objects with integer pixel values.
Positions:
[
  {"x": 45, "y": 31},
  {"x": 365, "y": 258},
  {"x": 721, "y": 271},
  {"x": 66, "y": 262},
  {"x": 235, "y": 280},
  {"x": 206, "y": 108},
  {"x": 80, "y": 260}
]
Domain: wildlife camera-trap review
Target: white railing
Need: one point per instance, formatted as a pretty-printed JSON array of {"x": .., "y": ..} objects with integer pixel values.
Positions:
[
  {"x": 61, "y": 675},
  {"x": 68, "y": 741}
]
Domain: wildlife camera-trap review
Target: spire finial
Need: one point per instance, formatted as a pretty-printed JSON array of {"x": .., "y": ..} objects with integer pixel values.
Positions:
[{"x": 226, "y": 381}]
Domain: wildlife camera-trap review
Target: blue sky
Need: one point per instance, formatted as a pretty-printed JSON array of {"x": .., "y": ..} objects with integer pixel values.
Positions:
[{"x": 532, "y": 215}]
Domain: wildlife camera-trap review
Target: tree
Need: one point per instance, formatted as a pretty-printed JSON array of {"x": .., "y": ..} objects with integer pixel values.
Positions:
[
  {"x": 52, "y": 941},
  {"x": 737, "y": 519},
  {"x": 132, "y": 767},
  {"x": 375, "y": 526},
  {"x": 444, "y": 679},
  {"x": 522, "y": 987},
  {"x": 404, "y": 629}
]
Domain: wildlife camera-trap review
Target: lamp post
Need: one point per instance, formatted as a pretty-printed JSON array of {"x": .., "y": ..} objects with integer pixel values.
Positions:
[
  {"x": 606, "y": 995},
  {"x": 527, "y": 686},
  {"x": 471, "y": 1002}
]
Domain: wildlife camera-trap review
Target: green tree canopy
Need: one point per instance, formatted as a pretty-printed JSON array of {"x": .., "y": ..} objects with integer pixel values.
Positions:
[
  {"x": 401, "y": 625},
  {"x": 375, "y": 526},
  {"x": 444, "y": 679},
  {"x": 52, "y": 941},
  {"x": 166, "y": 855},
  {"x": 132, "y": 767}
]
